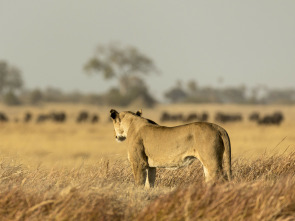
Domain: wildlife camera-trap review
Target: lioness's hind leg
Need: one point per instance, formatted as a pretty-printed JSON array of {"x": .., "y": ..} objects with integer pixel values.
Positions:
[
  {"x": 206, "y": 173},
  {"x": 151, "y": 177},
  {"x": 212, "y": 175},
  {"x": 212, "y": 172}
]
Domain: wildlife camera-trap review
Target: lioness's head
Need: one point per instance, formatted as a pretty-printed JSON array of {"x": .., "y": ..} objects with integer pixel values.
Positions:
[{"x": 121, "y": 123}]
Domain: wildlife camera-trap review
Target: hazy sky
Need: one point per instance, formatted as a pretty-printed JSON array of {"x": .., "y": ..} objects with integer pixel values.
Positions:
[{"x": 244, "y": 42}]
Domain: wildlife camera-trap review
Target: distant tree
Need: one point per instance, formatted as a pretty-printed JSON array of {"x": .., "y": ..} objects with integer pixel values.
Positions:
[
  {"x": 11, "y": 99},
  {"x": 3, "y": 75},
  {"x": 35, "y": 97},
  {"x": 176, "y": 93},
  {"x": 280, "y": 96},
  {"x": 10, "y": 78},
  {"x": 52, "y": 94},
  {"x": 192, "y": 87},
  {"x": 233, "y": 94},
  {"x": 114, "y": 61},
  {"x": 137, "y": 91}
]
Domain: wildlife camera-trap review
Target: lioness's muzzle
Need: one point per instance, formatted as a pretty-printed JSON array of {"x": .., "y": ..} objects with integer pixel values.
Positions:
[{"x": 120, "y": 138}]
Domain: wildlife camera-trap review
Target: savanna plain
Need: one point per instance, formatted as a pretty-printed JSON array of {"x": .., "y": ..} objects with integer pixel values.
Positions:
[{"x": 77, "y": 171}]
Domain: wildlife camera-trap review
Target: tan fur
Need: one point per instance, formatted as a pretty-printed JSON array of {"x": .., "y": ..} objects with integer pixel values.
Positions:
[{"x": 151, "y": 146}]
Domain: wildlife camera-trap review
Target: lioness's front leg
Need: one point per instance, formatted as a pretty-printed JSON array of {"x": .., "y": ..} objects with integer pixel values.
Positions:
[
  {"x": 139, "y": 163},
  {"x": 140, "y": 173}
]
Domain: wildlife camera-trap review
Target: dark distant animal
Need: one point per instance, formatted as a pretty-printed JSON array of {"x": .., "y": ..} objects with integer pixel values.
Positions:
[
  {"x": 94, "y": 119},
  {"x": 165, "y": 116},
  {"x": 176, "y": 117},
  {"x": 254, "y": 116},
  {"x": 171, "y": 117},
  {"x": 278, "y": 117},
  {"x": 59, "y": 117},
  {"x": 191, "y": 117},
  {"x": 204, "y": 117},
  {"x": 225, "y": 118},
  {"x": 272, "y": 119},
  {"x": 43, "y": 117},
  {"x": 82, "y": 117},
  {"x": 3, "y": 117},
  {"x": 28, "y": 117}
]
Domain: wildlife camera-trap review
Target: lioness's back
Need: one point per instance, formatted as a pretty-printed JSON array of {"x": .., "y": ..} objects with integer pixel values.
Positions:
[{"x": 196, "y": 128}]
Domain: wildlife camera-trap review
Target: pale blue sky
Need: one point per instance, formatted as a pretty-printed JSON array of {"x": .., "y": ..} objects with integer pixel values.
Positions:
[{"x": 244, "y": 42}]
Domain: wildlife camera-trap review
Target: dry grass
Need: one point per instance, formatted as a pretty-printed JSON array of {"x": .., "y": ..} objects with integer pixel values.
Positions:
[
  {"x": 78, "y": 172},
  {"x": 262, "y": 189}
]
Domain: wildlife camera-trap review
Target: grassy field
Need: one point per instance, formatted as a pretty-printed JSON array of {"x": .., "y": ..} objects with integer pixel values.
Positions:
[{"x": 76, "y": 171}]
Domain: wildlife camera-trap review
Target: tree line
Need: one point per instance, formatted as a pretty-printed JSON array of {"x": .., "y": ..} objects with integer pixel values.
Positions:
[
  {"x": 192, "y": 93},
  {"x": 129, "y": 66}
]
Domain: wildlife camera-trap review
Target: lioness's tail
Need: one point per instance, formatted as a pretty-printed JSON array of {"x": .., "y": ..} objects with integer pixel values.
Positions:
[{"x": 227, "y": 153}]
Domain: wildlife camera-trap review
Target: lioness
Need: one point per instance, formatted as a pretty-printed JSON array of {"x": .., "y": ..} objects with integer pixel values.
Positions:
[{"x": 151, "y": 145}]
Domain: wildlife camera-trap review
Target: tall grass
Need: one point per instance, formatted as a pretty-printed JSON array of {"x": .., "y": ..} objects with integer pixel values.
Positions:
[
  {"x": 262, "y": 189},
  {"x": 53, "y": 171}
]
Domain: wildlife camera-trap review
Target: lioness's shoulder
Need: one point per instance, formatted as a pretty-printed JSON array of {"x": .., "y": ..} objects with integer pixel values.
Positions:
[{"x": 151, "y": 122}]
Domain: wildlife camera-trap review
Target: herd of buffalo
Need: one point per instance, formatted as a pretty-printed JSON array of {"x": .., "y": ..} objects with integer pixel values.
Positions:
[
  {"x": 58, "y": 117},
  {"x": 275, "y": 118}
]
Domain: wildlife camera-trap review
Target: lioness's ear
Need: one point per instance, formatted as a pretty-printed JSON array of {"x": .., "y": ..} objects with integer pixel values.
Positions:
[
  {"x": 139, "y": 112},
  {"x": 114, "y": 114}
]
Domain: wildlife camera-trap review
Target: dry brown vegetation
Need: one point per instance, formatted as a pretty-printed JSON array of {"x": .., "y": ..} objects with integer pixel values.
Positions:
[
  {"x": 71, "y": 172},
  {"x": 262, "y": 189}
]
